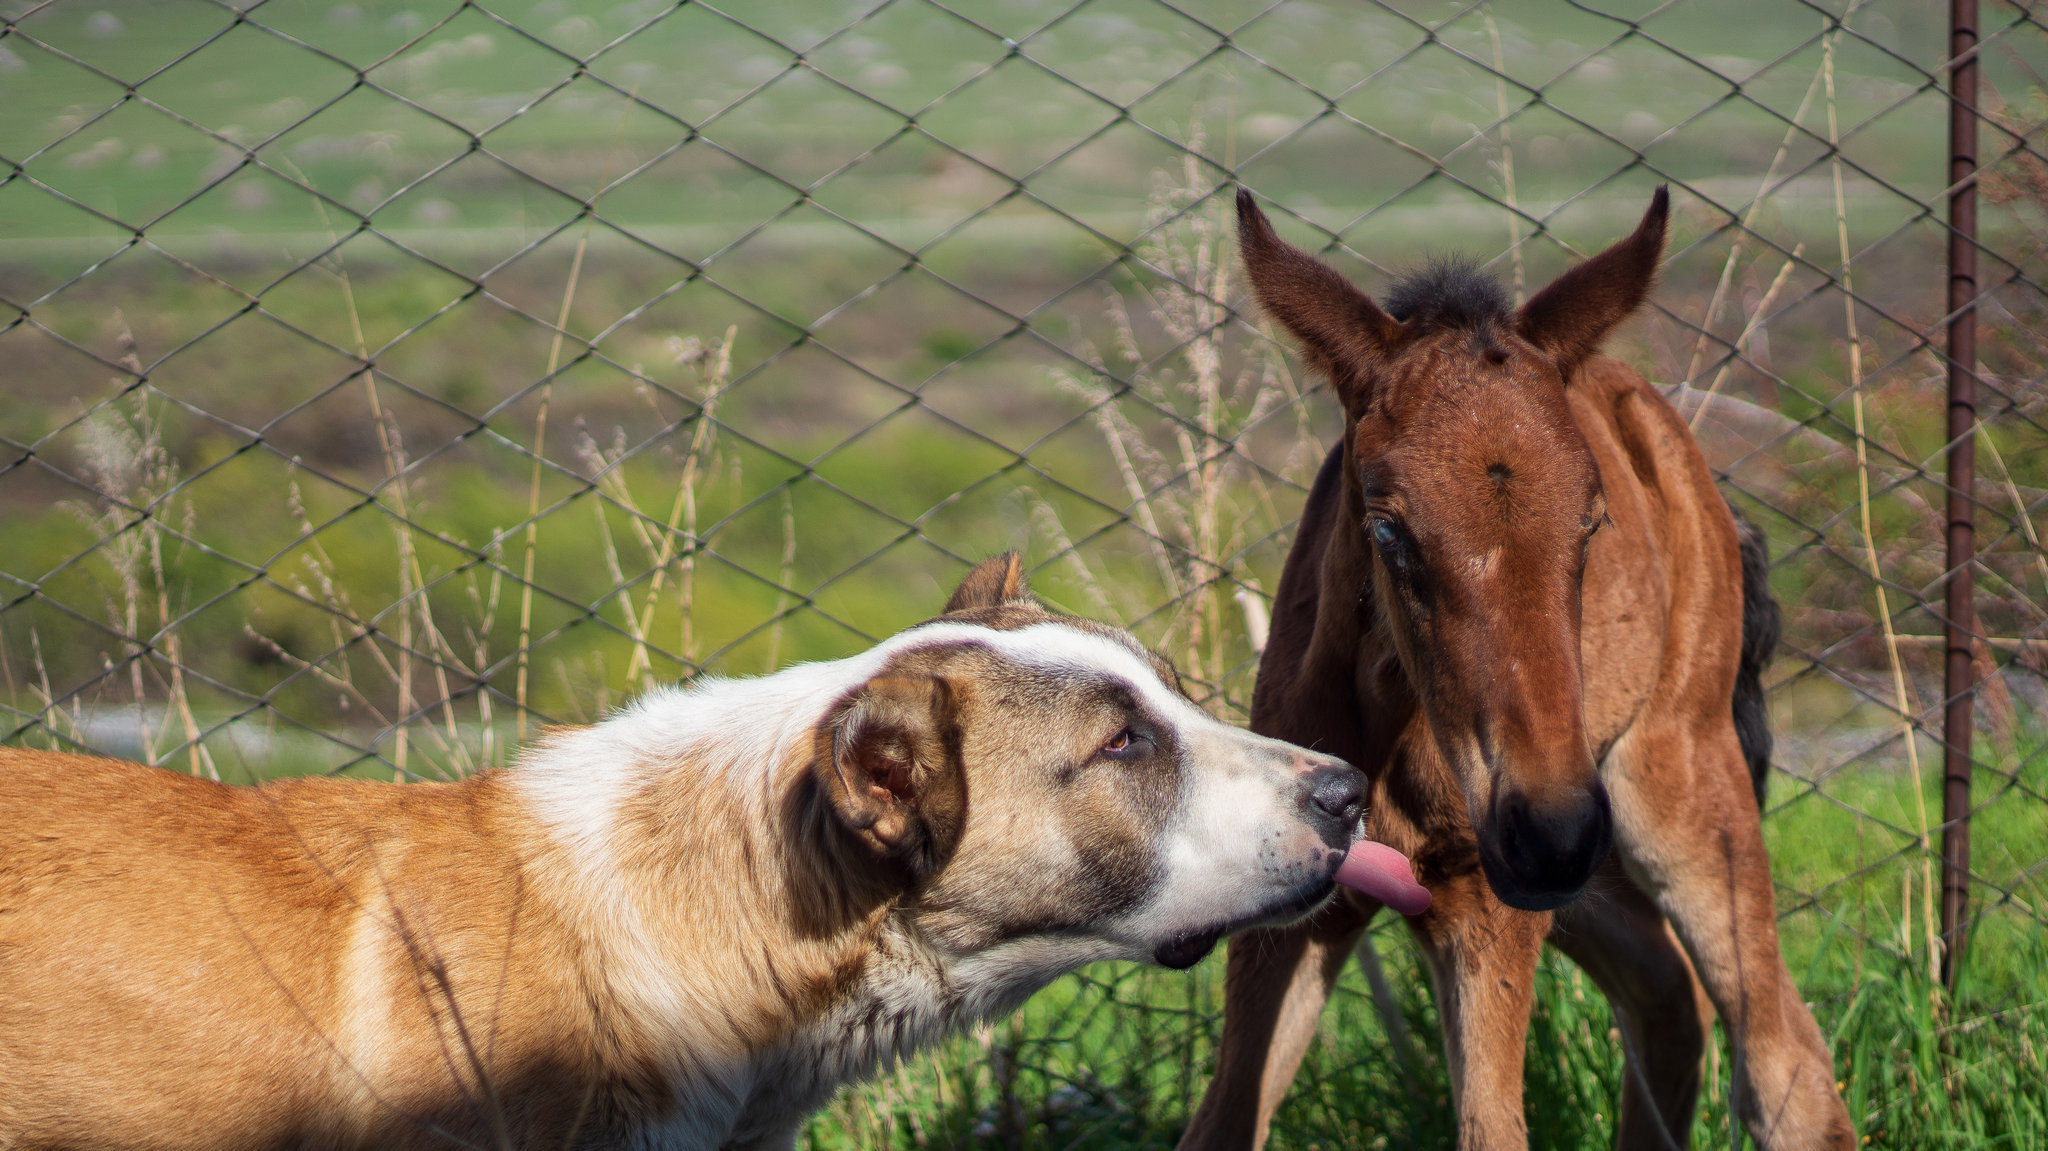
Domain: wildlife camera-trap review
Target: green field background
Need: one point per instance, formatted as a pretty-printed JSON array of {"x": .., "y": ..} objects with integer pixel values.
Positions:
[{"x": 824, "y": 300}]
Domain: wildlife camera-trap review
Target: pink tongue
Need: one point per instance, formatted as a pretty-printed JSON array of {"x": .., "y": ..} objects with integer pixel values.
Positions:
[{"x": 1385, "y": 874}]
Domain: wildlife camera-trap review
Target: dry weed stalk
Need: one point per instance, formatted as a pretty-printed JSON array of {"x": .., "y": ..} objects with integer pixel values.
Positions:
[
  {"x": 136, "y": 479},
  {"x": 50, "y": 709},
  {"x": 785, "y": 577},
  {"x": 13, "y": 686},
  {"x": 1759, "y": 316},
  {"x": 2019, "y": 177},
  {"x": 713, "y": 364},
  {"x": 1884, "y": 614},
  {"x": 2019, "y": 510},
  {"x": 716, "y": 363},
  {"x": 1045, "y": 521},
  {"x": 396, "y": 482},
  {"x": 540, "y": 421},
  {"x": 1192, "y": 489},
  {"x": 1506, "y": 164},
  {"x": 419, "y": 632},
  {"x": 318, "y": 583},
  {"x": 1822, "y": 74},
  {"x": 415, "y": 609},
  {"x": 485, "y": 611}
]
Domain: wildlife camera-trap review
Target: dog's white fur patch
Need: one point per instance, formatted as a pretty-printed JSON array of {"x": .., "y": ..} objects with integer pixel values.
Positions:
[
  {"x": 747, "y": 727},
  {"x": 744, "y": 731}
]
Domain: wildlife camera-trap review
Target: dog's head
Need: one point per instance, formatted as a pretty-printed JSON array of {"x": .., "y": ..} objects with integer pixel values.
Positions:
[{"x": 1050, "y": 796}]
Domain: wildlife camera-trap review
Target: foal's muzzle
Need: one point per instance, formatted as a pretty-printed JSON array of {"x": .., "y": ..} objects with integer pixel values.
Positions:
[{"x": 1539, "y": 855}]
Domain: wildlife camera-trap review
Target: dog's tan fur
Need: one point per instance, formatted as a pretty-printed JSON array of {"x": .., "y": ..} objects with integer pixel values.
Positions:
[{"x": 684, "y": 927}]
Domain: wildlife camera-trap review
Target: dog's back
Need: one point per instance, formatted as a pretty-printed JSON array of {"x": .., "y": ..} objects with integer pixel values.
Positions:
[
  {"x": 297, "y": 947},
  {"x": 684, "y": 927}
]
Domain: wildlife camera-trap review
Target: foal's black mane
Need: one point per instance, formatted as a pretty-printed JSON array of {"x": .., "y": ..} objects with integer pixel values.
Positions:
[{"x": 1449, "y": 292}]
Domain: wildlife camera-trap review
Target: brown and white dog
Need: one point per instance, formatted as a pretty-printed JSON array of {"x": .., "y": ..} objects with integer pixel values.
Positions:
[{"x": 683, "y": 927}]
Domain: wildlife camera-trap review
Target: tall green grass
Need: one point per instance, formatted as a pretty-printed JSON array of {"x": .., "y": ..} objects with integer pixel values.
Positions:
[{"x": 1117, "y": 1056}]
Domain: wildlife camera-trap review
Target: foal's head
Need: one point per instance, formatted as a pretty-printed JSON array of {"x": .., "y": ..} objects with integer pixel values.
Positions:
[{"x": 1478, "y": 499}]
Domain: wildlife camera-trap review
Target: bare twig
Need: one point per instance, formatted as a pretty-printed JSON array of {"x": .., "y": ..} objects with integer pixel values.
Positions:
[
  {"x": 1507, "y": 159},
  {"x": 540, "y": 425},
  {"x": 1908, "y": 729},
  {"x": 1756, "y": 203},
  {"x": 1757, "y": 318}
]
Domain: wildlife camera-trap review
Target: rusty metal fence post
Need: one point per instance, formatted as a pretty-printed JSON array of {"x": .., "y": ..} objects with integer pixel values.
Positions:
[{"x": 1958, "y": 684}]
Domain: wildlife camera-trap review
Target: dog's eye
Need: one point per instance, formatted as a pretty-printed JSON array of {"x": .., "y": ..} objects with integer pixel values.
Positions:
[{"x": 1124, "y": 745}]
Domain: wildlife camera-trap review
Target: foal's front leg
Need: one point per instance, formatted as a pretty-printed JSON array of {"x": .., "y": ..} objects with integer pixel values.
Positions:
[
  {"x": 1482, "y": 959},
  {"x": 1273, "y": 993},
  {"x": 1686, "y": 824},
  {"x": 1619, "y": 937}
]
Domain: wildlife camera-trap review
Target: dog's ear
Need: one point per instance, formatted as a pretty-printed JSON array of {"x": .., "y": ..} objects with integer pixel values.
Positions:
[
  {"x": 993, "y": 583},
  {"x": 1569, "y": 318},
  {"x": 889, "y": 765}
]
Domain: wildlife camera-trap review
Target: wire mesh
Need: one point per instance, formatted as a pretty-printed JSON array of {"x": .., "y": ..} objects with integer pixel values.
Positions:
[{"x": 384, "y": 379}]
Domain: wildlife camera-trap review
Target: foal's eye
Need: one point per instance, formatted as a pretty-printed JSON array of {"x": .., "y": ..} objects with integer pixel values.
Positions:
[
  {"x": 1392, "y": 543},
  {"x": 1405, "y": 567},
  {"x": 1590, "y": 527}
]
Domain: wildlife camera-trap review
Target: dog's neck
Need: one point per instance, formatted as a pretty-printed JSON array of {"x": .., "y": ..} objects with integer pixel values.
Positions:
[{"x": 818, "y": 964}]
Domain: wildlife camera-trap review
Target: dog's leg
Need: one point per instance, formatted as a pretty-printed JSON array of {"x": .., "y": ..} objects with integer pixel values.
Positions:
[
  {"x": 1274, "y": 988},
  {"x": 1620, "y": 938},
  {"x": 1686, "y": 822},
  {"x": 1482, "y": 959}
]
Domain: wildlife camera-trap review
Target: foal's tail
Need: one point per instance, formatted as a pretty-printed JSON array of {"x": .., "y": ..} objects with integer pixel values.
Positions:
[{"x": 1761, "y": 626}]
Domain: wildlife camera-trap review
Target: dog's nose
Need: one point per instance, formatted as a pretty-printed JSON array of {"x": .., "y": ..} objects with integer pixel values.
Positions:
[
  {"x": 1335, "y": 800},
  {"x": 1338, "y": 791}
]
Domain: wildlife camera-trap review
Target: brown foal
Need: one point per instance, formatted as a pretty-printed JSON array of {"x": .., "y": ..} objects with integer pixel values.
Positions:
[{"x": 1519, "y": 604}]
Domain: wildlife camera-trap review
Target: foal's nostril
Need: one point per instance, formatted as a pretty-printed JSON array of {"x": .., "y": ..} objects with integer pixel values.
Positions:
[
  {"x": 1339, "y": 793},
  {"x": 1515, "y": 831},
  {"x": 1551, "y": 848}
]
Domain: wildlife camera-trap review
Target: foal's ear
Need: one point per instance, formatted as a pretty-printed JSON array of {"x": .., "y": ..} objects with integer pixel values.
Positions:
[
  {"x": 889, "y": 765},
  {"x": 1569, "y": 318},
  {"x": 993, "y": 582},
  {"x": 1342, "y": 332}
]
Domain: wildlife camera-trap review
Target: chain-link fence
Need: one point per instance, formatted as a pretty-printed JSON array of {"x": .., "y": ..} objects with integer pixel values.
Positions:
[{"x": 382, "y": 379}]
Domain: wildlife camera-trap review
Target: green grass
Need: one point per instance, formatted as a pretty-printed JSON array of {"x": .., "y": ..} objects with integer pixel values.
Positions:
[
  {"x": 771, "y": 127},
  {"x": 1850, "y": 841},
  {"x": 1117, "y": 1056}
]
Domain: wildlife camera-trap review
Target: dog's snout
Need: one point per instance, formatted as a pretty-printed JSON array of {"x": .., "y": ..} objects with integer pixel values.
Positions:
[
  {"x": 1335, "y": 800},
  {"x": 1339, "y": 792}
]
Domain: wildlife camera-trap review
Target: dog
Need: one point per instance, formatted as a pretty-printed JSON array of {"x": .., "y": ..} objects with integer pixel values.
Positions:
[{"x": 682, "y": 927}]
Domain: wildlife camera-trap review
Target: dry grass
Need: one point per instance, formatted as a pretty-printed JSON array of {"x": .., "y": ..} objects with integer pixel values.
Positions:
[
  {"x": 1181, "y": 426},
  {"x": 138, "y": 483}
]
